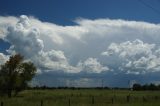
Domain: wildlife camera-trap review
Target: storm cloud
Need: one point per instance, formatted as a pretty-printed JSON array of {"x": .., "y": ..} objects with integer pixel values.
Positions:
[
  {"x": 97, "y": 46},
  {"x": 56, "y": 47}
]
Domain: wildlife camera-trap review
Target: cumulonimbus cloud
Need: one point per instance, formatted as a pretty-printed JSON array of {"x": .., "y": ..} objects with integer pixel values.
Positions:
[
  {"x": 78, "y": 48},
  {"x": 137, "y": 56},
  {"x": 27, "y": 39}
]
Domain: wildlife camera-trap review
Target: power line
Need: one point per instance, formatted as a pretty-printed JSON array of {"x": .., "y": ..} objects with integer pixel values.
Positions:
[
  {"x": 149, "y": 6},
  {"x": 158, "y": 1}
]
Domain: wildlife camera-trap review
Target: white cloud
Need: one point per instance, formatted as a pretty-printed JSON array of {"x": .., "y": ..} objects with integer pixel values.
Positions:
[
  {"x": 3, "y": 58},
  {"x": 56, "y": 47},
  {"x": 129, "y": 49},
  {"x": 137, "y": 56},
  {"x": 54, "y": 61},
  {"x": 91, "y": 65},
  {"x": 4, "y": 22},
  {"x": 25, "y": 39}
]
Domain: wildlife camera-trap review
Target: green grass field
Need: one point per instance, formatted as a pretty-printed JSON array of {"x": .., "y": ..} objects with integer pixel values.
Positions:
[{"x": 84, "y": 97}]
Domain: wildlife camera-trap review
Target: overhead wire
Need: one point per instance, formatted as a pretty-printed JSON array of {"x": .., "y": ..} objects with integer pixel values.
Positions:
[{"x": 149, "y": 6}]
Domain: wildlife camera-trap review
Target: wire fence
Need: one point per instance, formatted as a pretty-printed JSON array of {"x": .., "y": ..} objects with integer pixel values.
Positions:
[{"x": 96, "y": 100}]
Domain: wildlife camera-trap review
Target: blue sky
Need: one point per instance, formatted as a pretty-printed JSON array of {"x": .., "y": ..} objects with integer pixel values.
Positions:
[
  {"x": 82, "y": 42},
  {"x": 64, "y": 11}
]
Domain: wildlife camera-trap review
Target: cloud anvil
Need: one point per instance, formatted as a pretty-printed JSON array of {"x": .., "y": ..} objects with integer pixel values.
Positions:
[{"x": 91, "y": 46}]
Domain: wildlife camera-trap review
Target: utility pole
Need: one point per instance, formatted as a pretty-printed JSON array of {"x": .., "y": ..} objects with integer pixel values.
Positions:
[{"x": 102, "y": 83}]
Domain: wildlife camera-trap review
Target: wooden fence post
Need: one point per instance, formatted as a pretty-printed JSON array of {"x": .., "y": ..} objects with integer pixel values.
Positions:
[
  {"x": 112, "y": 100},
  {"x": 69, "y": 101},
  {"x": 156, "y": 97},
  {"x": 144, "y": 99},
  {"x": 128, "y": 98},
  {"x": 2, "y": 103},
  {"x": 92, "y": 99},
  {"x": 41, "y": 102}
]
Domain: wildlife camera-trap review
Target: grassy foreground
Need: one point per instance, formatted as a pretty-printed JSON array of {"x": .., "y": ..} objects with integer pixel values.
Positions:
[{"x": 84, "y": 97}]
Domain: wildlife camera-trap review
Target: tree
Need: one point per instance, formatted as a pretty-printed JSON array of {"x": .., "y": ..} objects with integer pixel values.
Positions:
[
  {"x": 137, "y": 87},
  {"x": 15, "y": 75},
  {"x": 152, "y": 87},
  {"x": 145, "y": 87}
]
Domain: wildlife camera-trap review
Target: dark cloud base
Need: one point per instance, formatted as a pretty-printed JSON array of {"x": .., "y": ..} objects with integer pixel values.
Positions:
[{"x": 95, "y": 80}]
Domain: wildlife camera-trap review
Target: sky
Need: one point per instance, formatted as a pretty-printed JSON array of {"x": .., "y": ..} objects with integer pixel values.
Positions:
[{"x": 84, "y": 43}]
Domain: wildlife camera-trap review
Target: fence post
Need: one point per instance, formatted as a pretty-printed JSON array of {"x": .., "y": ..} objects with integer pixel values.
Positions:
[
  {"x": 156, "y": 97},
  {"x": 128, "y": 98},
  {"x": 2, "y": 103},
  {"x": 92, "y": 99},
  {"x": 69, "y": 101},
  {"x": 112, "y": 100},
  {"x": 144, "y": 99},
  {"x": 41, "y": 102}
]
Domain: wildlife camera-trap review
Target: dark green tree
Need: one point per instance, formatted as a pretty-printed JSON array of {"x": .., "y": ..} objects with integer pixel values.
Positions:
[
  {"x": 152, "y": 87},
  {"x": 15, "y": 75},
  {"x": 145, "y": 87},
  {"x": 137, "y": 87}
]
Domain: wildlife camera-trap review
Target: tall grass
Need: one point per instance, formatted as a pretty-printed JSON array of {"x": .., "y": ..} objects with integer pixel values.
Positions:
[{"x": 84, "y": 97}]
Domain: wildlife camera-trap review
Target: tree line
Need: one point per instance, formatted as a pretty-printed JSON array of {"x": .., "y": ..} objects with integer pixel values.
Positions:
[{"x": 151, "y": 86}]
